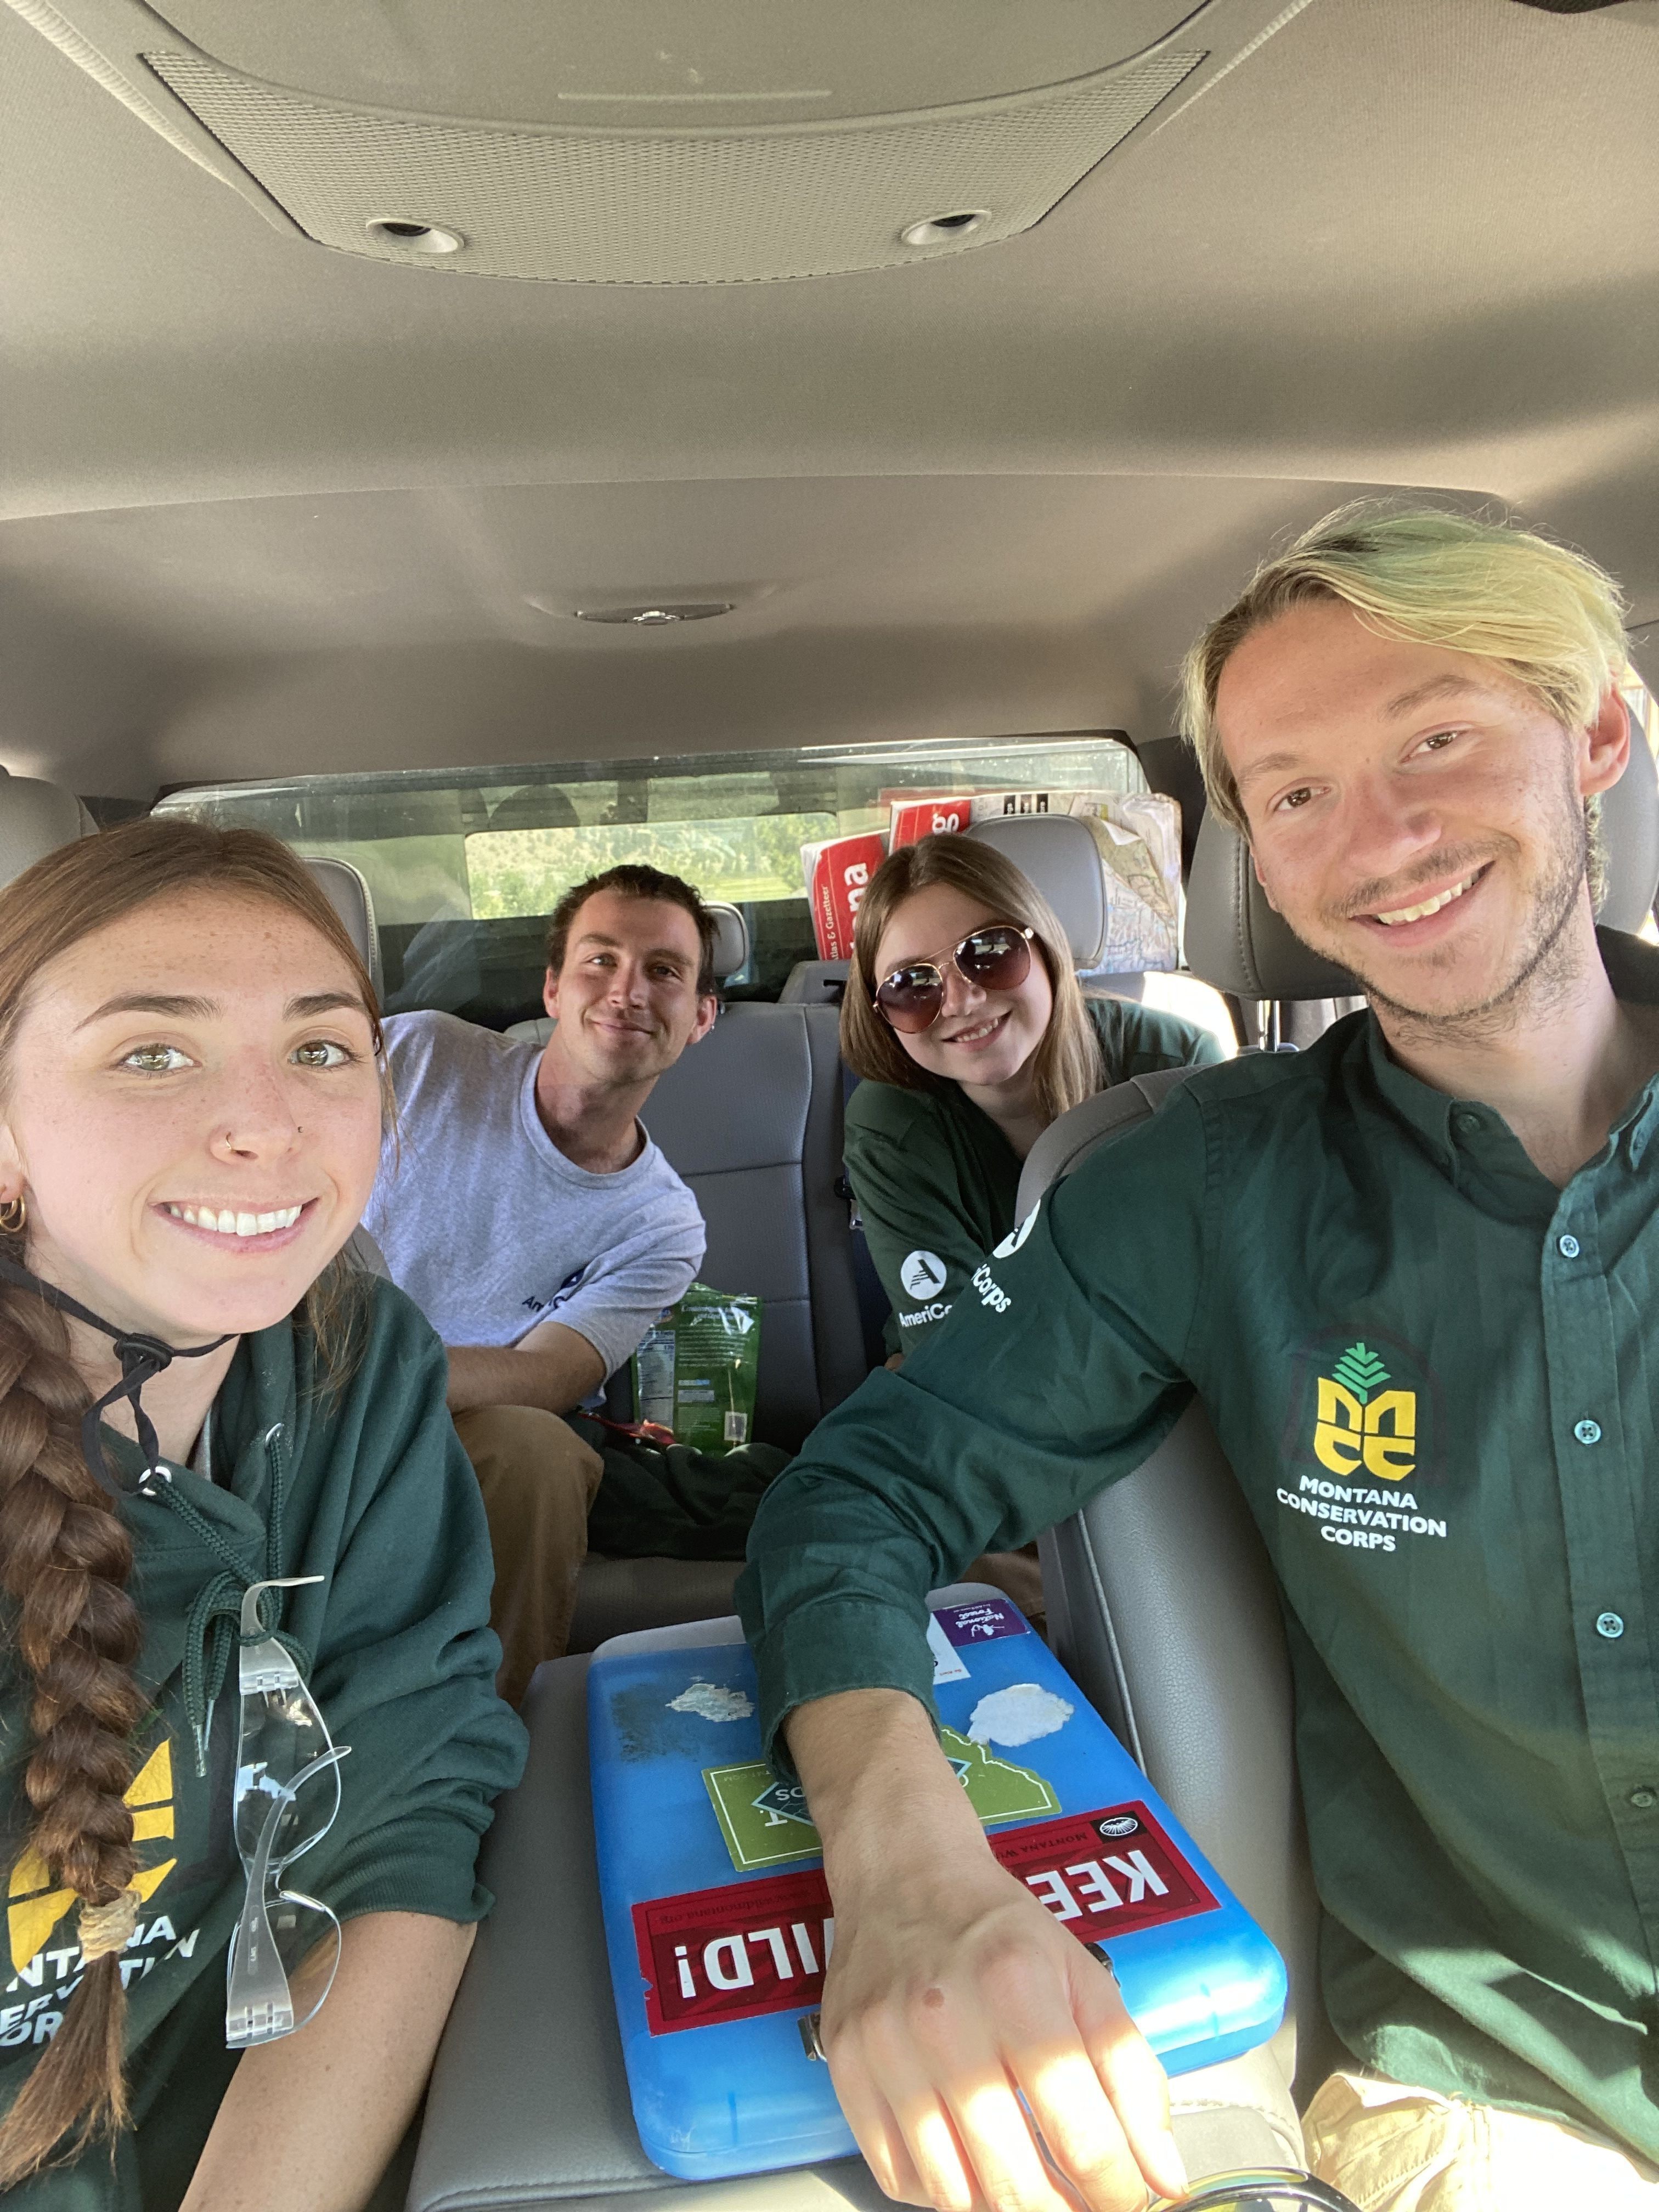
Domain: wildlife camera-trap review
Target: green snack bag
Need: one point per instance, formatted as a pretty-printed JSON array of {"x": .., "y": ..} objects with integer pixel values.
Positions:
[{"x": 695, "y": 1371}]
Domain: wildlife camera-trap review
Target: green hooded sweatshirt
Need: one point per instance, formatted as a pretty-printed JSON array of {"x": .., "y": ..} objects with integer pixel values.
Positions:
[{"x": 365, "y": 1484}]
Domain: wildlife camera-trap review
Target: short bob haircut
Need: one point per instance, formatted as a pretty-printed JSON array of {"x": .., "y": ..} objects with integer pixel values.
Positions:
[
  {"x": 1069, "y": 1065},
  {"x": 1550, "y": 617}
]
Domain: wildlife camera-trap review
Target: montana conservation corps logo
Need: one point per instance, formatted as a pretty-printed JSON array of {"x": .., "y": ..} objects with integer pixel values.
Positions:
[
  {"x": 44, "y": 1940},
  {"x": 1361, "y": 1441},
  {"x": 1362, "y": 1424}
]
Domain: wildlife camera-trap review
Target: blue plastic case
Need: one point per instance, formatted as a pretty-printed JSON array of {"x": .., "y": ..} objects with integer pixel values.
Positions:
[{"x": 718, "y": 1920}]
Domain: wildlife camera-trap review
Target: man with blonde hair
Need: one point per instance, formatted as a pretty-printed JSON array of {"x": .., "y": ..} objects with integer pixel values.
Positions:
[{"x": 1410, "y": 1272}]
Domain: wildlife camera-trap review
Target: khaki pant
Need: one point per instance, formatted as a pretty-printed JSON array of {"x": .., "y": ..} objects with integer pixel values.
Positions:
[
  {"x": 539, "y": 1480},
  {"x": 1396, "y": 2149}
]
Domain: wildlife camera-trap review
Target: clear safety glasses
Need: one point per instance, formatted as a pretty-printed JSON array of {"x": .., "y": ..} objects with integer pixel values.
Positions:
[
  {"x": 287, "y": 1945},
  {"x": 997, "y": 958}
]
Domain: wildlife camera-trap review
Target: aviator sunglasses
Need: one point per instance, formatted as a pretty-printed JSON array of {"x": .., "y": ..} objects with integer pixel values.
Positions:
[{"x": 997, "y": 957}]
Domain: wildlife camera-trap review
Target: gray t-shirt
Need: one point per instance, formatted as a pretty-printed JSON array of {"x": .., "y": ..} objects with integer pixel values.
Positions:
[{"x": 491, "y": 1230}]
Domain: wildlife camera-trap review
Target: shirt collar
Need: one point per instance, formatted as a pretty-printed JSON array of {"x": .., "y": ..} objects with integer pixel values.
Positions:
[{"x": 1471, "y": 1144}]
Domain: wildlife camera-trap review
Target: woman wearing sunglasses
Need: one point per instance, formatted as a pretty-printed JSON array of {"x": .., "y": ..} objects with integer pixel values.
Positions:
[
  {"x": 250, "y": 1735},
  {"x": 964, "y": 1018}
]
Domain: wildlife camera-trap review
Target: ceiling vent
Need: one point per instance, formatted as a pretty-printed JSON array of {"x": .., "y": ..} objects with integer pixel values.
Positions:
[{"x": 701, "y": 141}]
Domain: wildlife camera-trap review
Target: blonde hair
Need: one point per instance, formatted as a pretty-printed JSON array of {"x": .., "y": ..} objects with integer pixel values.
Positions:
[
  {"x": 1549, "y": 617},
  {"x": 1067, "y": 1066}
]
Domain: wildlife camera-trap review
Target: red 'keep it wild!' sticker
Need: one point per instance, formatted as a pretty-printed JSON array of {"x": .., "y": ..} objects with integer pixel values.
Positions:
[{"x": 757, "y": 1946}]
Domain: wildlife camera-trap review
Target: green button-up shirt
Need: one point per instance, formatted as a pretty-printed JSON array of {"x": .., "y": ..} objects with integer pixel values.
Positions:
[{"x": 1433, "y": 1374}]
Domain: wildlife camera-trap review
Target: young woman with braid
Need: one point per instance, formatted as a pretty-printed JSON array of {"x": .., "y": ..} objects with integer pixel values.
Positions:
[{"x": 197, "y": 1396}]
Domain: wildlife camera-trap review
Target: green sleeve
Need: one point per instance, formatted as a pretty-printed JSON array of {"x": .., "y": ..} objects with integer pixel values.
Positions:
[
  {"x": 1140, "y": 1040},
  {"x": 1061, "y": 1369},
  {"x": 918, "y": 1221},
  {"x": 406, "y": 1659}
]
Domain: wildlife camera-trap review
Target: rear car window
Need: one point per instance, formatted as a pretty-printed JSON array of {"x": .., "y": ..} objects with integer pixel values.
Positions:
[{"x": 465, "y": 867}]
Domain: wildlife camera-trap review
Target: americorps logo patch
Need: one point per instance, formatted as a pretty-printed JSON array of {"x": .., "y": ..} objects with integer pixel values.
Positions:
[
  {"x": 923, "y": 1274},
  {"x": 1012, "y": 1242}
]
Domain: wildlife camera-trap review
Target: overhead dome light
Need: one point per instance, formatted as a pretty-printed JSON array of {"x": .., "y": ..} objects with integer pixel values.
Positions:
[
  {"x": 658, "y": 614},
  {"x": 940, "y": 230},
  {"x": 414, "y": 237}
]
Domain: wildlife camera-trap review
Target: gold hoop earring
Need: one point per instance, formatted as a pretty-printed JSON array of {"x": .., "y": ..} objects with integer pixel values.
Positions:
[{"x": 14, "y": 1216}]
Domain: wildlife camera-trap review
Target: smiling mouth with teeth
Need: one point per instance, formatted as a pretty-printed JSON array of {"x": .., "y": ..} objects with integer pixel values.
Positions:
[
  {"x": 225, "y": 1223},
  {"x": 1393, "y": 918}
]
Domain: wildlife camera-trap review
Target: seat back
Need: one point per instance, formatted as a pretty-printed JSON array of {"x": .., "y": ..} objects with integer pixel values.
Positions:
[
  {"x": 346, "y": 890},
  {"x": 815, "y": 983},
  {"x": 1163, "y": 1607},
  {"x": 1059, "y": 854},
  {"x": 750, "y": 1118},
  {"x": 35, "y": 819}
]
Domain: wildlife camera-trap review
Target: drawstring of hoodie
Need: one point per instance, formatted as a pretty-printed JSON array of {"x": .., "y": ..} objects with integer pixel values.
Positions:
[
  {"x": 142, "y": 1358},
  {"x": 213, "y": 1626}
]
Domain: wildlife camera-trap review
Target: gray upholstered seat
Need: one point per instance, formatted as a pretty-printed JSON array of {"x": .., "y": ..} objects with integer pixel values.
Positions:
[
  {"x": 346, "y": 890},
  {"x": 35, "y": 819}
]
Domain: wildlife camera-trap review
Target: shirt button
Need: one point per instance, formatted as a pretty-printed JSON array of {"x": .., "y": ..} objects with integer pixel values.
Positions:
[
  {"x": 1610, "y": 1624},
  {"x": 1589, "y": 1433},
  {"x": 1645, "y": 1799},
  {"x": 1567, "y": 1247},
  {"x": 1466, "y": 1123}
]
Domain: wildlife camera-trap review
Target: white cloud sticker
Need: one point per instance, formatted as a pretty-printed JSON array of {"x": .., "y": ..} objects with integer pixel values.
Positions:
[
  {"x": 922, "y": 1274},
  {"x": 710, "y": 1702},
  {"x": 1019, "y": 1714}
]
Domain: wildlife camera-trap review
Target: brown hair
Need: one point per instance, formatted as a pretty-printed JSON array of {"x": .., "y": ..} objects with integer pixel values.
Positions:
[
  {"x": 65, "y": 1552},
  {"x": 1067, "y": 1067},
  {"x": 633, "y": 879}
]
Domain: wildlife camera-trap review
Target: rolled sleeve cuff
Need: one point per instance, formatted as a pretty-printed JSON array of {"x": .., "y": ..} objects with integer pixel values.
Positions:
[
  {"x": 430, "y": 1871},
  {"x": 847, "y": 1643}
]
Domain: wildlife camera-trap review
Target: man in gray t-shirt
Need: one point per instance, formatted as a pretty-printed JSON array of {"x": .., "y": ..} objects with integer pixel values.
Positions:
[{"x": 525, "y": 1211}]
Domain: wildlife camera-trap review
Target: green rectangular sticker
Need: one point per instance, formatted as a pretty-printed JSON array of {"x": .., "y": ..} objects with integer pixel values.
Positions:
[{"x": 765, "y": 1821}]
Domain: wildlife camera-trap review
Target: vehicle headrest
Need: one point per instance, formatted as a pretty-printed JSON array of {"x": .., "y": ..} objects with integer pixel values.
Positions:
[
  {"x": 348, "y": 893},
  {"x": 1236, "y": 941},
  {"x": 1629, "y": 832},
  {"x": 1059, "y": 854},
  {"x": 35, "y": 819},
  {"x": 731, "y": 939}
]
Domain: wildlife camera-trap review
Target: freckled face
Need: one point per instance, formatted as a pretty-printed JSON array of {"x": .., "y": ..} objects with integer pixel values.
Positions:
[
  {"x": 981, "y": 1037},
  {"x": 192, "y": 1110}
]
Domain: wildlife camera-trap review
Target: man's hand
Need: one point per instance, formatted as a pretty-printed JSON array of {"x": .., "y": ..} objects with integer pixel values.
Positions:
[
  {"x": 952, "y": 1992},
  {"x": 553, "y": 1367}
]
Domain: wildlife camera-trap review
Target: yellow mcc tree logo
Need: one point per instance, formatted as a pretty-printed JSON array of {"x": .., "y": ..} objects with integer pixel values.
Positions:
[{"x": 1361, "y": 1426}]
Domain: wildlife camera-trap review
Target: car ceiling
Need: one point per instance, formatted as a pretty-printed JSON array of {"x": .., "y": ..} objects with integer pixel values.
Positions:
[{"x": 269, "y": 508}]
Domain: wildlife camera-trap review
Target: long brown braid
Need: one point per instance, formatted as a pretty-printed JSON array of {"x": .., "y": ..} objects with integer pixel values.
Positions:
[
  {"x": 65, "y": 1550},
  {"x": 65, "y": 1558}
]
